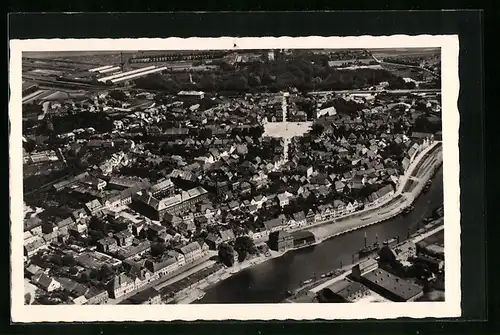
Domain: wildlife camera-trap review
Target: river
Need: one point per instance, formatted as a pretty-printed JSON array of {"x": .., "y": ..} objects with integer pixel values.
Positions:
[{"x": 269, "y": 281}]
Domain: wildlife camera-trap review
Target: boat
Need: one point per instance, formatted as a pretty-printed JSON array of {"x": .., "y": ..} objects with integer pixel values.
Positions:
[
  {"x": 408, "y": 209},
  {"x": 201, "y": 295},
  {"x": 368, "y": 250},
  {"x": 308, "y": 281},
  {"x": 390, "y": 241}
]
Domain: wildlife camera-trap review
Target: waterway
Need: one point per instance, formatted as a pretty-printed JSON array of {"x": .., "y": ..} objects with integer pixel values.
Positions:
[{"x": 269, "y": 281}]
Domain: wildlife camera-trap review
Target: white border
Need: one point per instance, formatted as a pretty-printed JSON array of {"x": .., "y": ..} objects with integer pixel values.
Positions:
[{"x": 450, "y": 84}]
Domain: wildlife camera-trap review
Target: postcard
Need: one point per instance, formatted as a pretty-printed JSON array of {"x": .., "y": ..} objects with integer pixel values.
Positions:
[{"x": 234, "y": 178}]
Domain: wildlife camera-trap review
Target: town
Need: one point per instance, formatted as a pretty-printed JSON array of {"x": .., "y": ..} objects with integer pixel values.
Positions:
[{"x": 148, "y": 183}]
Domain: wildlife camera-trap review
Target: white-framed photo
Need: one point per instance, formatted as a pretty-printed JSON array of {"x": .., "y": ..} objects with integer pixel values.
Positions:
[{"x": 267, "y": 178}]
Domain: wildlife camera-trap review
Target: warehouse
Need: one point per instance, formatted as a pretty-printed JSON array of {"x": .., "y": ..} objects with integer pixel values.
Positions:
[
  {"x": 123, "y": 74},
  {"x": 303, "y": 238},
  {"x": 137, "y": 75},
  {"x": 391, "y": 286}
]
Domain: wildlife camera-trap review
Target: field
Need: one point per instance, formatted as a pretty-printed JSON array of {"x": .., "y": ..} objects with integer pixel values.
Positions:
[{"x": 405, "y": 52}]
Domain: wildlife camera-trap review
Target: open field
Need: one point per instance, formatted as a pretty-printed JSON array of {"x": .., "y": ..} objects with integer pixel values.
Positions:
[{"x": 405, "y": 52}]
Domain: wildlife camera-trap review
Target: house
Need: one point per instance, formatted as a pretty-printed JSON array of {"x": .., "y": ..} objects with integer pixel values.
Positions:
[
  {"x": 214, "y": 240},
  {"x": 398, "y": 253},
  {"x": 299, "y": 218},
  {"x": 79, "y": 214},
  {"x": 310, "y": 217},
  {"x": 283, "y": 199},
  {"x": 179, "y": 258},
  {"x": 107, "y": 244},
  {"x": 93, "y": 207},
  {"x": 163, "y": 267},
  {"x": 154, "y": 231},
  {"x": 149, "y": 296},
  {"x": 33, "y": 225},
  {"x": 45, "y": 282},
  {"x": 124, "y": 238},
  {"x": 191, "y": 252},
  {"x": 275, "y": 224},
  {"x": 258, "y": 200},
  {"x": 233, "y": 205},
  {"x": 280, "y": 240},
  {"x": 33, "y": 244},
  {"x": 382, "y": 195},
  {"x": 339, "y": 186},
  {"x": 32, "y": 270},
  {"x": 120, "y": 285},
  {"x": 96, "y": 296},
  {"x": 138, "y": 228}
]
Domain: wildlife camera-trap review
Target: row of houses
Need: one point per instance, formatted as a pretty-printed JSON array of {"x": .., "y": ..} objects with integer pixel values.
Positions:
[
  {"x": 325, "y": 213},
  {"x": 151, "y": 270}
]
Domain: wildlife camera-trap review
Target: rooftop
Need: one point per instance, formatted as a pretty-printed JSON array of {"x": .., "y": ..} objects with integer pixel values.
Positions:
[{"x": 397, "y": 286}]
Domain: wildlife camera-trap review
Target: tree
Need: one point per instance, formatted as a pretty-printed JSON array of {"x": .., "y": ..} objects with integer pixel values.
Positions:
[
  {"x": 244, "y": 245},
  {"x": 118, "y": 95},
  {"x": 27, "y": 298},
  {"x": 57, "y": 260},
  {"x": 157, "y": 249},
  {"x": 68, "y": 260},
  {"x": 105, "y": 272},
  {"x": 226, "y": 254}
]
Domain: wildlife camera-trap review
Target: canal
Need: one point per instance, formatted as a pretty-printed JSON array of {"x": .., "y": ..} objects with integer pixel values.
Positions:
[{"x": 269, "y": 281}]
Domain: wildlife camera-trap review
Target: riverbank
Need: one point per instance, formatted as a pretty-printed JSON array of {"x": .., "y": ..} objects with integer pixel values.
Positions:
[
  {"x": 327, "y": 230},
  {"x": 307, "y": 293}
]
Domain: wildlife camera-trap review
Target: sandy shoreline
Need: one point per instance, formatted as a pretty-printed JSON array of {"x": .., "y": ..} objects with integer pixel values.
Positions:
[{"x": 322, "y": 233}]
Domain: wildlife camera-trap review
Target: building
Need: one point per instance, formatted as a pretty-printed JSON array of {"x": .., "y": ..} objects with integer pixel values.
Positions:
[
  {"x": 343, "y": 291},
  {"x": 224, "y": 236},
  {"x": 280, "y": 240},
  {"x": 107, "y": 244},
  {"x": 275, "y": 224},
  {"x": 124, "y": 238},
  {"x": 434, "y": 250},
  {"x": 120, "y": 285},
  {"x": 392, "y": 287},
  {"x": 364, "y": 267},
  {"x": 283, "y": 199},
  {"x": 156, "y": 208},
  {"x": 303, "y": 238},
  {"x": 191, "y": 252},
  {"x": 149, "y": 296},
  {"x": 45, "y": 282},
  {"x": 398, "y": 253},
  {"x": 96, "y": 297},
  {"x": 163, "y": 267},
  {"x": 434, "y": 264},
  {"x": 381, "y": 195}
]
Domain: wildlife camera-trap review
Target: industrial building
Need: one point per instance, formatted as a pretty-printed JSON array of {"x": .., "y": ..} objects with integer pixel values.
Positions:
[
  {"x": 124, "y": 74},
  {"x": 303, "y": 238},
  {"x": 137, "y": 75},
  {"x": 392, "y": 287},
  {"x": 111, "y": 69},
  {"x": 343, "y": 291},
  {"x": 100, "y": 68},
  {"x": 156, "y": 208}
]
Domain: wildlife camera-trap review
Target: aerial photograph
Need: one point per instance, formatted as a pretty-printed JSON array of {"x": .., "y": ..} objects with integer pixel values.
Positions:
[{"x": 232, "y": 176}]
